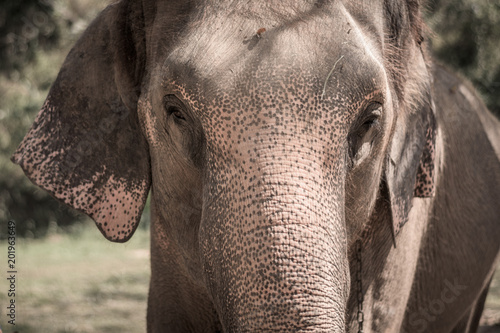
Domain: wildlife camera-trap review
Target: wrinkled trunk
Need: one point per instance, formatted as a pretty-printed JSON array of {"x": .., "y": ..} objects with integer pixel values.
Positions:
[{"x": 275, "y": 245}]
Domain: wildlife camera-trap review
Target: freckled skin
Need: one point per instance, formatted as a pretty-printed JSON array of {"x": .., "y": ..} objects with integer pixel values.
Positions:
[{"x": 272, "y": 139}]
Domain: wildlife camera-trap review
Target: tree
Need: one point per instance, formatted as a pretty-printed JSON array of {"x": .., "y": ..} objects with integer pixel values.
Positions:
[
  {"x": 26, "y": 27},
  {"x": 467, "y": 38}
]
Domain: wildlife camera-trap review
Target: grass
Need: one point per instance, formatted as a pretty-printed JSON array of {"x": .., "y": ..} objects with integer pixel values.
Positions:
[{"x": 80, "y": 282}]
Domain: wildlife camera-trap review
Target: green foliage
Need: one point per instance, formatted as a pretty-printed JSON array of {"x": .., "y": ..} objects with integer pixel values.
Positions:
[
  {"x": 80, "y": 282},
  {"x": 26, "y": 27},
  {"x": 467, "y": 38}
]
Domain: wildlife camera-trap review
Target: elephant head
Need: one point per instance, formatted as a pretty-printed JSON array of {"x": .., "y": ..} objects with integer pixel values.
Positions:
[{"x": 266, "y": 131}]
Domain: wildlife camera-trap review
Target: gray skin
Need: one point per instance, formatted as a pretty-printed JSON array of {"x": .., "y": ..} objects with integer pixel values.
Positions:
[{"x": 270, "y": 154}]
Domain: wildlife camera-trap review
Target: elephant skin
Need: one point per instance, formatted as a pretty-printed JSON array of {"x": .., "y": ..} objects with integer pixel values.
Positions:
[{"x": 304, "y": 158}]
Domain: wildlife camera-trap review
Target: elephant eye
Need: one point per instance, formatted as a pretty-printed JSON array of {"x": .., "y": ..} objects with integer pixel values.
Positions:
[
  {"x": 174, "y": 108},
  {"x": 364, "y": 133},
  {"x": 175, "y": 112},
  {"x": 367, "y": 125}
]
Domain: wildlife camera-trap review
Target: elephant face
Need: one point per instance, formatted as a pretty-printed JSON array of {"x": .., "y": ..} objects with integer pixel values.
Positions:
[{"x": 266, "y": 137}]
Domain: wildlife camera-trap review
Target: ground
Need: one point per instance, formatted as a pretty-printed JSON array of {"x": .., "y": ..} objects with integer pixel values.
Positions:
[{"x": 81, "y": 283}]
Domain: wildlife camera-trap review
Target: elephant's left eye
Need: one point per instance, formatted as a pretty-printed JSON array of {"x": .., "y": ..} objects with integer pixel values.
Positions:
[
  {"x": 364, "y": 133},
  {"x": 368, "y": 125}
]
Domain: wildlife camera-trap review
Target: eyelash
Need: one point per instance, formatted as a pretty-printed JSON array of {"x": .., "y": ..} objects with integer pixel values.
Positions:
[
  {"x": 175, "y": 112},
  {"x": 174, "y": 108},
  {"x": 372, "y": 120},
  {"x": 369, "y": 122}
]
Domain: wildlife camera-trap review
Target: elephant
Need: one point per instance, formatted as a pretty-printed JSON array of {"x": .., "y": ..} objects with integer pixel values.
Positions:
[{"x": 310, "y": 167}]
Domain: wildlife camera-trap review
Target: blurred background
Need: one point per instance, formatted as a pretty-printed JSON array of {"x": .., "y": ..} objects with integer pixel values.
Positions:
[{"x": 58, "y": 246}]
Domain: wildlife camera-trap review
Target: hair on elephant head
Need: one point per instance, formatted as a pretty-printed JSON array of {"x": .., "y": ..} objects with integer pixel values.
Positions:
[{"x": 266, "y": 163}]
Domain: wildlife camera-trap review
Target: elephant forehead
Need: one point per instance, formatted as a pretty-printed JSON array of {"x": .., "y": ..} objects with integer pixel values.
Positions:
[
  {"x": 315, "y": 71},
  {"x": 268, "y": 99},
  {"x": 282, "y": 98},
  {"x": 282, "y": 85},
  {"x": 303, "y": 39}
]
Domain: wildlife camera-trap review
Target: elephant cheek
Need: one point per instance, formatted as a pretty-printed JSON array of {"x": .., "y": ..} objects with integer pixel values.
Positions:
[{"x": 282, "y": 267}]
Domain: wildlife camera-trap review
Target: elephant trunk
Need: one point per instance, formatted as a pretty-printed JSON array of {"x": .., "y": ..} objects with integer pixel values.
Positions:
[{"x": 276, "y": 259}]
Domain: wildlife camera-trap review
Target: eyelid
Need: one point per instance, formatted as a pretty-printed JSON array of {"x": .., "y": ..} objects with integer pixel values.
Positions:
[
  {"x": 173, "y": 105},
  {"x": 378, "y": 111},
  {"x": 375, "y": 108},
  {"x": 176, "y": 112},
  {"x": 371, "y": 114},
  {"x": 172, "y": 100},
  {"x": 374, "y": 116}
]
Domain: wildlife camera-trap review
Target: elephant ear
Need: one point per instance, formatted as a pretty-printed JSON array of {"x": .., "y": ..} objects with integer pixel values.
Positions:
[
  {"x": 409, "y": 169},
  {"x": 85, "y": 146}
]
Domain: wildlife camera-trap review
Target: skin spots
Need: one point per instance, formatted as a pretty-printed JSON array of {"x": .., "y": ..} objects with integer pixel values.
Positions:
[
  {"x": 273, "y": 177},
  {"x": 268, "y": 157}
]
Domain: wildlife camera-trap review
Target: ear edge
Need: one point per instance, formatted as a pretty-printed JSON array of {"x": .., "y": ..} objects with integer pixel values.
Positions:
[
  {"x": 52, "y": 154},
  {"x": 400, "y": 202},
  {"x": 116, "y": 225},
  {"x": 425, "y": 180}
]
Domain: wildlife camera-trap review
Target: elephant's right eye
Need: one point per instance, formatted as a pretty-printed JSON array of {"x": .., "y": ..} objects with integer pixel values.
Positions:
[
  {"x": 174, "y": 108},
  {"x": 175, "y": 112}
]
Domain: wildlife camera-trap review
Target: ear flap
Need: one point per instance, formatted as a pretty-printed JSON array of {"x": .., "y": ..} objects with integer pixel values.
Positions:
[
  {"x": 409, "y": 169},
  {"x": 424, "y": 187},
  {"x": 85, "y": 146}
]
